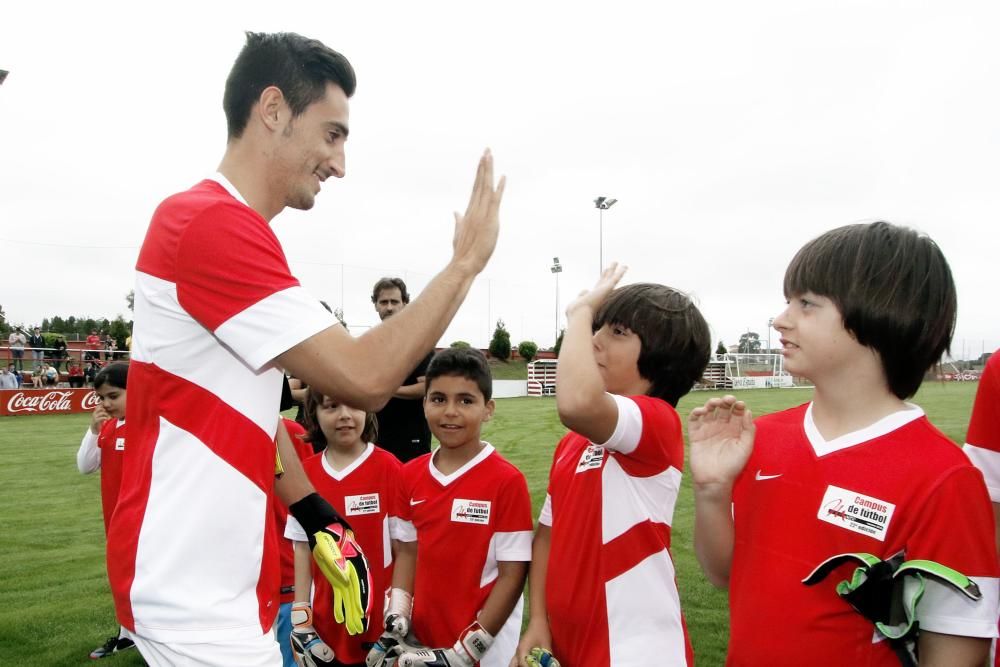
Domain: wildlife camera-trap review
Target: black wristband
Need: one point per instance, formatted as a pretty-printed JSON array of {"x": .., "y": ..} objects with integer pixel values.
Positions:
[{"x": 314, "y": 514}]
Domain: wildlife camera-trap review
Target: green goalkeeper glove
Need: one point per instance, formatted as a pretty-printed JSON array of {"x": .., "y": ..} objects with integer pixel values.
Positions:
[
  {"x": 307, "y": 647},
  {"x": 470, "y": 648},
  {"x": 340, "y": 558}
]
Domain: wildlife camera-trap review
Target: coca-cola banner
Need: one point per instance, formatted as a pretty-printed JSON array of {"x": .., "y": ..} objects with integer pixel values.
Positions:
[{"x": 47, "y": 401}]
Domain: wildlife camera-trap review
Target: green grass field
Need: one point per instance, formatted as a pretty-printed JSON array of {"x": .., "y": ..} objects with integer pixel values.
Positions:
[{"x": 56, "y": 604}]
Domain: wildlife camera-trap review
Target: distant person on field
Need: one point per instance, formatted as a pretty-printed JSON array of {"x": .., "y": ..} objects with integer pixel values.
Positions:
[
  {"x": 103, "y": 448},
  {"x": 93, "y": 346},
  {"x": 16, "y": 342},
  {"x": 76, "y": 377},
  {"x": 50, "y": 376},
  {"x": 58, "y": 351},
  {"x": 871, "y": 307},
  {"x": 403, "y": 429},
  {"x": 603, "y": 589},
  {"x": 12, "y": 369}
]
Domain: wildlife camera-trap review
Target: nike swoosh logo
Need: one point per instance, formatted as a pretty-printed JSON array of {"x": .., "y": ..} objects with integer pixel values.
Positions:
[
  {"x": 760, "y": 477},
  {"x": 416, "y": 502}
]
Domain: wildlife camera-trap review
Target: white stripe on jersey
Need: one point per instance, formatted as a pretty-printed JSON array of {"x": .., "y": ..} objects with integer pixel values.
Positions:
[{"x": 988, "y": 462}]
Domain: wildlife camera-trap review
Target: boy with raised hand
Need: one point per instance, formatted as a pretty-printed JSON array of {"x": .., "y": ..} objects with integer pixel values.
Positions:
[
  {"x": 464, "y": 531},
  {"x": 627, "y": 357},
  {"x": 871, "y": 307}
]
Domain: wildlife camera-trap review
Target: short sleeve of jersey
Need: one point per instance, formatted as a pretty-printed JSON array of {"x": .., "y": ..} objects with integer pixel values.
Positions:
[
  {"x": 982, "y": 444},
  {"x": 647, "y": 437},
  {"x": 956, "y": 529},
  {"x": 232, "y": 277},
  {"x": 401, "y": 525},
  {"x": 513, "y": 525}
]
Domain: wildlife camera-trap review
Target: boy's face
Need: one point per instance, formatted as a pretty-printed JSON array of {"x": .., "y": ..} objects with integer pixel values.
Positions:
[
  {"x": 814, "y": 342},
  {"x": 341, "y": 424},
  {"x": 616, "y": 351},
  {"x": 455, "y": 409},
  {"x": 112, "y": 400}
]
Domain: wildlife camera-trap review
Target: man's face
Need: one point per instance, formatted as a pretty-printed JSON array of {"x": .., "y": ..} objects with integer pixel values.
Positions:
[
  {"x": 310, "y": 148},
  {"x": 389, "y": 302}
]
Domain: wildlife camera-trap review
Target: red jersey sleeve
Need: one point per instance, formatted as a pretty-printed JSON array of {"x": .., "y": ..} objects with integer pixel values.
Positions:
[
  {"x": 648, "y": 438},
  {"x": 955, "y": 529},
  {"x": 513, "y": 526},
  {"x": 233, "y": 278},
  {"x": 982, "y": 444}
]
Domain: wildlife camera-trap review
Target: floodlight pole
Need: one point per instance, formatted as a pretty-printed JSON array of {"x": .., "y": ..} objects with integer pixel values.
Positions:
[
  {"x": 770, "y": 325},
  {"x": 602, "y": 204},
  {"x": 556, "y": 269}
]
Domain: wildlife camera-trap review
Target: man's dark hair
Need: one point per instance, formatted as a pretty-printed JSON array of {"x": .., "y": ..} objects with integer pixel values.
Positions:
[
  {"x": 390, "y": 283},
  {"x": 298, "y": 66},
  {"x": 314, "y": 434},
  {"x": 468, "y": 363},
  {"x": 894, "y": 290},
  {"x": 115, "y": 374},
  {"x": 676, "y": 342}
]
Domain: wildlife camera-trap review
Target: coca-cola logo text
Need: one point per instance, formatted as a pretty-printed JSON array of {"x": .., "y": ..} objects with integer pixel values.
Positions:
[
  {"x": 90, "y": 401},
  {"x": 54, "y": 401}
]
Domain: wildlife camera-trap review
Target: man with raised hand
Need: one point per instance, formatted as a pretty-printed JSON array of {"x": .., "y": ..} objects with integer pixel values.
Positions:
[{"x": 192, "y": 554}]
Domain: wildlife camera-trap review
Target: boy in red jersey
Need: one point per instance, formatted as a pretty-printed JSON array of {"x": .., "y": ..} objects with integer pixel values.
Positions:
[
  {"x": 982, "y": 442},
  {"x": 604, "y": 532},
  {"x": 464, "y": 531},
  {"x": 360, "y": 481},
  {"x": 871, "y": 307},
  {"x": 103, "y": 448}
]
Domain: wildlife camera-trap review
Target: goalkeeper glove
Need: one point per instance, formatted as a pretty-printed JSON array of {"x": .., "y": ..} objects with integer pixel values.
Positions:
[
  {"x": 540, "y": 657},
  {"x": 340, "y": 559},
  {"x": 470, "y": 648},
  {"x": 398, "y": 606},
  {"x": 307, "y": 648}
]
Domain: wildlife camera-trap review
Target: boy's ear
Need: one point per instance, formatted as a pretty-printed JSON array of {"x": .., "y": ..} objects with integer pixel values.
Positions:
[{"x": 490, "y": 407}]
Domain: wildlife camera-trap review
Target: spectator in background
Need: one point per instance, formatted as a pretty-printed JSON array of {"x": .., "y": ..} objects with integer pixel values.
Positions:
[
  {"x": 17, "y": 374},
  {"x": 93, "y": 345},
  {"x": 50, "y": 376},
  {"x": 7, "y": 379},
  {"x": 402, "y": 426},
  {"x": 37, "y": 344},
  {"x": 91, "y": 372},
  {"x": 110, "y": 345},
  {"x": 75, "y": 374},
  {"x": 17, "y": 341},
  {"x": 58, "y": 351}
]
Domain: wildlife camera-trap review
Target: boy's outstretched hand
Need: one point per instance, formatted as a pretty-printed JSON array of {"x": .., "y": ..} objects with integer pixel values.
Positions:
[
  {"x": 476, "y": 231},
  {"x": 595, "y": 296},
  {"x": 721, "y": 434}
]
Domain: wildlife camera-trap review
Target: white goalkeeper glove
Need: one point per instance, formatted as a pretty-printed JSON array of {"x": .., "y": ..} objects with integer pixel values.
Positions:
[
  {"x": 307, "y": 648},
  {"x": 470, "y": 648}
]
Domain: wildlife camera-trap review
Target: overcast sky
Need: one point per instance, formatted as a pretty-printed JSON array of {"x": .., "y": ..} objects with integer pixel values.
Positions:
[{"x": 731, "y": 133}]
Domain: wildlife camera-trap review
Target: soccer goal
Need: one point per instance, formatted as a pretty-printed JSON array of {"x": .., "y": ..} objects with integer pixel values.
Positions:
[{"x": 745, "y": 371}]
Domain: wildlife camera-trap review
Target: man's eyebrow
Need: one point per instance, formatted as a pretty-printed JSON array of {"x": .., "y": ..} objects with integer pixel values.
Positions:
[{"x": 340, "y": 127}]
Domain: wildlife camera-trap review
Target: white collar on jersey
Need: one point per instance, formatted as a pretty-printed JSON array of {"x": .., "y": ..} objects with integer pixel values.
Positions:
[
  {"x": 121, "y": 422},
  {"x": 230, "y": 188},
  {"x": 887, "y": 424},
  {"x": 339, "y": 475},
  {"x": 445, "y": 480}
]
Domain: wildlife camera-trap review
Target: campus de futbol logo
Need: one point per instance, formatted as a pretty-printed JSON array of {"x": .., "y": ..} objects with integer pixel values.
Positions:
[
  {"x": 470, "y": 511},
  {"x": 856, "y": 512}
]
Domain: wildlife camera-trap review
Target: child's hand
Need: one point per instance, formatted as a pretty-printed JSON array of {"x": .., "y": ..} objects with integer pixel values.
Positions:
[
  {"x": 99, "y": 416},
  {"x": 594, "y": 297},
  {"x": 535, "y": 636},
  {"x": 721, "y": 434}
]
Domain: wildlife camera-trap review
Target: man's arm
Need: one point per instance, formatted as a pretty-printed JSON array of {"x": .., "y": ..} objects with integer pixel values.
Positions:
[
  {"x": 365, "y": 371},
  {"x": 293, "y": 485},
  {"x": 411, "y": 392}
]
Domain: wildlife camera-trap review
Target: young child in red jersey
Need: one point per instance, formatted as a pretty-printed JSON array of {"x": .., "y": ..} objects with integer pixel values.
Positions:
[
  {"x": 359, "y": 480},
  {"x": 103, "y": 448},
  {"x": 603, "y": 588},
  {"x": 871, "y": 307},
  {"x": 465, "y": 532}
]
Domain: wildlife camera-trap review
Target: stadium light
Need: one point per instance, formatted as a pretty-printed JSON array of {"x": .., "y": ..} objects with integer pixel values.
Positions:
[
  {"x": 602, "y": 204},
  {"x": 556, "y": 269}
]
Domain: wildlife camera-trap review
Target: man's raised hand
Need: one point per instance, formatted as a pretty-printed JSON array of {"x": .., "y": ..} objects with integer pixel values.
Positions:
[{"x": 476, "y": 231}]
